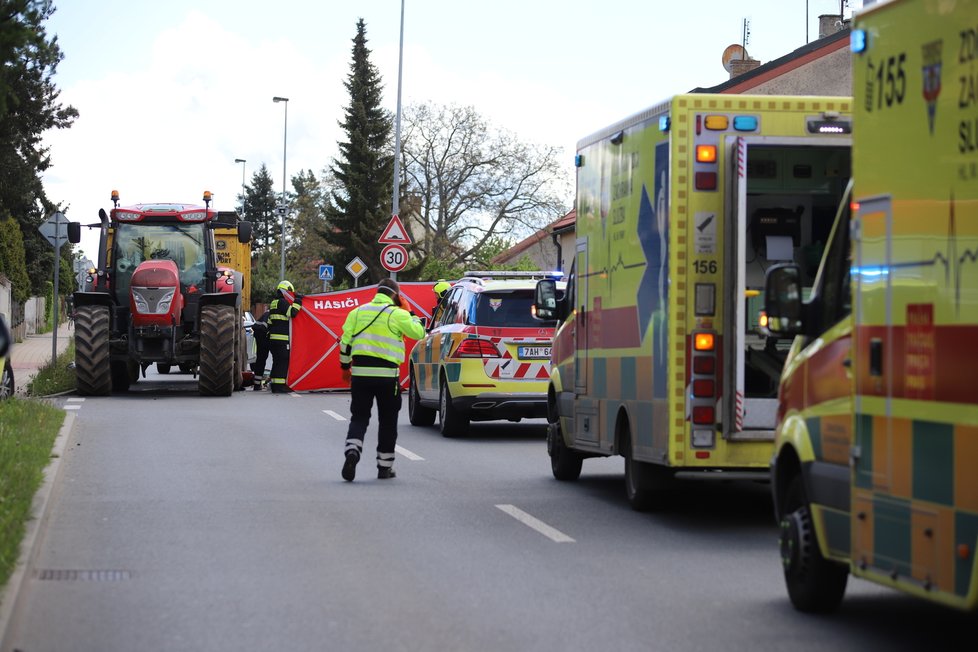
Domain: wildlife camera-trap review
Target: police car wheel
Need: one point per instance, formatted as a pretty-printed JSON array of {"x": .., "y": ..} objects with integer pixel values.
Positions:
[
  {"x": 815, "y": 584},
  {"x": 418, "y": 414},
  {"x": 451, "y": 422}
]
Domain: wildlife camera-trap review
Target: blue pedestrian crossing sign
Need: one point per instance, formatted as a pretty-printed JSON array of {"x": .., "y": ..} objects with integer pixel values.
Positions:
[{"x": 325, "y": 272}]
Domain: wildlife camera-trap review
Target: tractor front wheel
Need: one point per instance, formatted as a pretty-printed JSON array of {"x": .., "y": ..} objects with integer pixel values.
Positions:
[
  {"x": 216, "y": 351},
  {"x": 93, "y": 373}
]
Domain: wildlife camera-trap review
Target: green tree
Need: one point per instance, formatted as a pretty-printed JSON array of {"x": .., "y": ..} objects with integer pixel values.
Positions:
[
  {"x": 309, "y": 247},
  {"x": 12, "y": 264},
  {"x": 471, "y": 182},
  {"x": 359, "y": 209},
  {"x": 259, "y": 209},
  {"x": 29, "y": 107}
]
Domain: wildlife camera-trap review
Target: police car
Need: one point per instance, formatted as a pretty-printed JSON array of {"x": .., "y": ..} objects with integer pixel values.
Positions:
[{"x": 485, "y": 356}]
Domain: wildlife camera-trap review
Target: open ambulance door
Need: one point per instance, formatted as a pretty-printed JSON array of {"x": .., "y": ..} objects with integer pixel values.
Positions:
[{"x": 782, "y": 201}]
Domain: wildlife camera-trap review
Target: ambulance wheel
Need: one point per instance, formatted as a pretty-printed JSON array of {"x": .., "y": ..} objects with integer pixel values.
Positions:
[
  {"x": 451, "y": 422},
  {"x": 646, "y": 485},
  {"x": 93, "y": 376},
  {"x": 815, "y": 584},
  {"x": 162, "y": 368},
  {"x": 418, "y": 414},
  {"x": 564, "y": 463}
]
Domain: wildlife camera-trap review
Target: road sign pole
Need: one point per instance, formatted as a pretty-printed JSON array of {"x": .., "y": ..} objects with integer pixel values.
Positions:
[{"x": 54, "y": 296}]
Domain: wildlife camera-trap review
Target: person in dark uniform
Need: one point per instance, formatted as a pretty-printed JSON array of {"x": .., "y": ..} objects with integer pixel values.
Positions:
[
  {"x": 284, "y": 307},
  {"x": 371, "y": 353},
  {"x": 260, "y": 332}
]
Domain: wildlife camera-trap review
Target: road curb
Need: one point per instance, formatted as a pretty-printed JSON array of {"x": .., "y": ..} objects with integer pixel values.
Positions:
[{"x": 29, "y": 546}]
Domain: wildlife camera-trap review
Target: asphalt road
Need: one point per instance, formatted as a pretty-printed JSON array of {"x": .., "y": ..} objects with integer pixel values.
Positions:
[{"x": 190, "y": 523}]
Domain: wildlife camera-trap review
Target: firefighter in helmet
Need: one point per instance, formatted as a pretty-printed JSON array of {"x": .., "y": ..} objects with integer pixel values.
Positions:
[
  {"x": 284, "y": 307},
  {"x": 441, "y": 288}
]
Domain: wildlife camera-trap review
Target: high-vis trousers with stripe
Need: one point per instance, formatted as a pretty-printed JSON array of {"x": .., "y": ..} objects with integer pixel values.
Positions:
[
  {"x": 363, "y": 391},
  {"x": 280, "y": 364}
]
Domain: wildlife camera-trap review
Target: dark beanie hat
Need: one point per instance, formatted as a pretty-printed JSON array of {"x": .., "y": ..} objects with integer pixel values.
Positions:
[{"x": 388, "y": 286}]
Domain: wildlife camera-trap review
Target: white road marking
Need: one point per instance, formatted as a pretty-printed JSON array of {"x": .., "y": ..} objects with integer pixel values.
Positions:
[
  {"x": 408, "y": 454},
  {"x": 72, "y": 407},
  {"x": 335, "y": 415},
  {"x": 76, "y": 400},
  {"x": 530, "y": 521}
]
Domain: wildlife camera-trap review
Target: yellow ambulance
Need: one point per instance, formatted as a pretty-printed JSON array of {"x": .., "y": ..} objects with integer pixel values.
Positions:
[
  {"x": 680, "y": 210},
  {"x": 875, "y": 471}
]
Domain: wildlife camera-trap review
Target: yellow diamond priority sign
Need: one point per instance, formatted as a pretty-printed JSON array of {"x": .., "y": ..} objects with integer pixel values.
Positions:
[{"x": 356, "y": 267}]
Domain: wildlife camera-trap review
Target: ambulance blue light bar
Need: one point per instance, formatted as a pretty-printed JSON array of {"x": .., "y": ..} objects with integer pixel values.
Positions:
[
  {"x": 664, "y": 123},
  {"x": 857, "y": 41},
  {"x": 745, "y": 123}
]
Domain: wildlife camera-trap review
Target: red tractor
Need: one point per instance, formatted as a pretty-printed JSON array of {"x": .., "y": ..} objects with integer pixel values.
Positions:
[{"x": 158, "y": 296}]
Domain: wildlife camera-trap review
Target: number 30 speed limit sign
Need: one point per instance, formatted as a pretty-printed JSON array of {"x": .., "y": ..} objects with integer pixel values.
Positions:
[{"x": 394, "y": 257}]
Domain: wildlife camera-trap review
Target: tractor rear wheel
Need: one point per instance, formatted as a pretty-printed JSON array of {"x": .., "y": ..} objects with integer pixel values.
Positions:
[
  {"x": 124, "y": 374},
  {"x": 93, "y": 374},
  {"x": 216, "y": 351}
]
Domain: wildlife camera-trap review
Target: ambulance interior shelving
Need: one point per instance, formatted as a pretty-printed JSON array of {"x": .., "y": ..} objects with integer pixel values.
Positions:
[{"x": 793, "y": 195}]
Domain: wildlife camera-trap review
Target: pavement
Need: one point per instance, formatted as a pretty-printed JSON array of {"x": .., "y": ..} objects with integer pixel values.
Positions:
[{"x": 34, "y": 352}]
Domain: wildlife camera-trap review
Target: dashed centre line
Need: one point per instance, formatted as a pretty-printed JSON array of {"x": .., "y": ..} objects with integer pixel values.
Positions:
[
  {"x": 408, "y": 454},
  {"x": 551, "y": 533},
  {"x": 335, "y": 415}
]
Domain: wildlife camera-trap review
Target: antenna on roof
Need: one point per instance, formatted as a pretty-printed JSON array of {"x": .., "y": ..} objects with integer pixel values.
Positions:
[{"x": 746, "y": 39}]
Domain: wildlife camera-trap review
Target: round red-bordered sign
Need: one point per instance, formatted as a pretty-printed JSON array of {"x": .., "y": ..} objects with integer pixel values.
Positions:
[{"x": 394, "y": 257}]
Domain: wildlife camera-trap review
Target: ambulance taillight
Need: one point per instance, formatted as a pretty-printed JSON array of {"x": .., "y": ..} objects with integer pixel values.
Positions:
[{"x": 476, "y": 348}]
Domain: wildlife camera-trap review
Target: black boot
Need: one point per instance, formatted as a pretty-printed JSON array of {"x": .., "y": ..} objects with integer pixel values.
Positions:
[
  {"x": 385, "y": 473},
  {"x": 350, "y": 466}
]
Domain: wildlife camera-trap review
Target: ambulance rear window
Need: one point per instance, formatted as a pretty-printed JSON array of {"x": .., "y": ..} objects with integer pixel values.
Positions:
[{"x": 505, "y": 309}]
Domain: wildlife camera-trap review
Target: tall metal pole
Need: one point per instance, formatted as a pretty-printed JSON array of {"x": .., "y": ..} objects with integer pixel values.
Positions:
[
  {"x": 283, "y": 208},
  {"x": 242, "y": 162},
  {"x": 395, "y": 203}
]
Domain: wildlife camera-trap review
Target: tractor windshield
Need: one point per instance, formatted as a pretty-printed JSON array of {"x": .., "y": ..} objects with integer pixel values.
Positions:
[{"x": 181, "y": 243}]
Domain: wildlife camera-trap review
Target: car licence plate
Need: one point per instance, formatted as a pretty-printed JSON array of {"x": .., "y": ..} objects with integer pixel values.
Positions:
[{"x": 534, "y": 352}]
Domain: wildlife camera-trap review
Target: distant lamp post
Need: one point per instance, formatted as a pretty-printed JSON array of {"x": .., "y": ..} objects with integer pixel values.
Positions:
[
  {"x": 284, "y": 207},
  {"x": 242, "y": 161}
]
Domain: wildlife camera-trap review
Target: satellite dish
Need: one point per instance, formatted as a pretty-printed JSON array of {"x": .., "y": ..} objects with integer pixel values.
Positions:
[{"x": 733, "y": 53}]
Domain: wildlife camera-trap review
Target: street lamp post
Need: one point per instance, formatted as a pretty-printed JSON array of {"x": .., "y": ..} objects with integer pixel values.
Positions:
[
  {"x": 242, "y": 161},
  {"x": 282, "y": 208}
]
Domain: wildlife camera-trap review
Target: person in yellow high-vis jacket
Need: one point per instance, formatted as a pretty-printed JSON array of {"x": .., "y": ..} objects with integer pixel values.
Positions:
[
  {"x": 284, "y": 307},
  {"x": 371, "y": 353}
]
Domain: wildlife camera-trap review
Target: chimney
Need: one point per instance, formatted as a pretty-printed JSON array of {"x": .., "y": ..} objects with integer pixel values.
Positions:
[
  {"x": 829, "y": 24},
  {"x": 740, "y": 66}
]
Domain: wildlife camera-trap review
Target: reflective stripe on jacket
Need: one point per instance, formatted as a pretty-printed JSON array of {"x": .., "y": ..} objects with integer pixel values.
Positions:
[
  {"x": 279, "y": 313},
  {"x": 373, "y": 337}
]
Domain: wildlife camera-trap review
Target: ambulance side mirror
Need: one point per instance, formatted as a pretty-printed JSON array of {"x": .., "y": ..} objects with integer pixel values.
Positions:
[
  {"x": 783, "y": 300},
  {"x": 548, "y": 307},
  {"x": 74, "y": 232}
]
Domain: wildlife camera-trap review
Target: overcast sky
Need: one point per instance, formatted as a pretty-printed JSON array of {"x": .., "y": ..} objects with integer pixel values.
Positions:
[{"x": 171, "y": 93}]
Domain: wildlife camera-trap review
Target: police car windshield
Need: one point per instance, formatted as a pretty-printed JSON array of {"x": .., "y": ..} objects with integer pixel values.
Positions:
[{"x": 506, "y": 309}]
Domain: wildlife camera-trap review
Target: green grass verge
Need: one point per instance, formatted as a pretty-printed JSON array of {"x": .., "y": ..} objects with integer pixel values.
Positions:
[
  {"x": 28, "y": 428},
  {"x": 56, "y": 378}
]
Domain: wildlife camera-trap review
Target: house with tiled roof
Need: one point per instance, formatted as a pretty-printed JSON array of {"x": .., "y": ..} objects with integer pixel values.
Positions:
[{"x": 822, "y": 67}]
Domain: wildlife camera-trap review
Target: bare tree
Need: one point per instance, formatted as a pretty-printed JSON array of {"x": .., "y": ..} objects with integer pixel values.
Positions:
[{"x": 471, "y": 182}]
